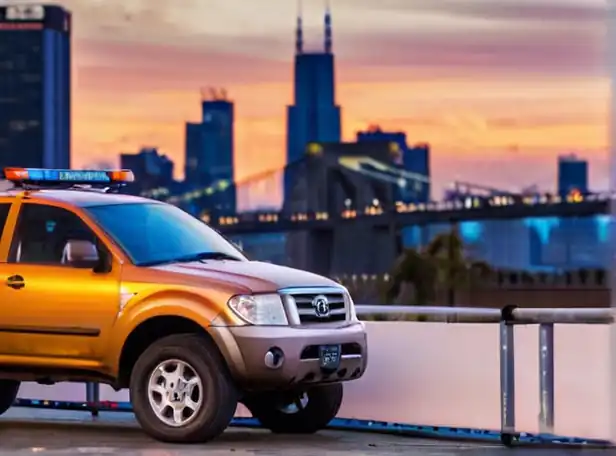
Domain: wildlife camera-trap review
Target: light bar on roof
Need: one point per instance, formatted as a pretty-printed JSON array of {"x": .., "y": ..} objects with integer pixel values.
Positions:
[{"x": 68, "y": 176}]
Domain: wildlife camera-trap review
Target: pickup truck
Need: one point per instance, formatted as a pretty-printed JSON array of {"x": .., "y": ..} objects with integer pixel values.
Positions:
[{"x": 138, "y": 294}]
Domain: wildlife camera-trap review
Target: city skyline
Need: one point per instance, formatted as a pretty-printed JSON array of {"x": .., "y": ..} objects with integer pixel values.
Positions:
[{"x": 499, "y": 90}]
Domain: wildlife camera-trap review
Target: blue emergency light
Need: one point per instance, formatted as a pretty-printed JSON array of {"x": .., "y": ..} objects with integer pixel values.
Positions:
[{"x": 68, "y": 176}]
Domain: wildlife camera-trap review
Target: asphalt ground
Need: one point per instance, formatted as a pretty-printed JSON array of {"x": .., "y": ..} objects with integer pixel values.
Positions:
[{"x": 50, "y": 432}]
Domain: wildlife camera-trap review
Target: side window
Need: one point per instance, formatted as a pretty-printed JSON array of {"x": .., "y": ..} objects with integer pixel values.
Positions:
[
  {"x": 43, "y": 232},
  {"x": 4, "y": 214}
]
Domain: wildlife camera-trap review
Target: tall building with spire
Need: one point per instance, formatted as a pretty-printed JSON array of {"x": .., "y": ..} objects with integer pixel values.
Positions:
[{"x": 314, "y": 115}]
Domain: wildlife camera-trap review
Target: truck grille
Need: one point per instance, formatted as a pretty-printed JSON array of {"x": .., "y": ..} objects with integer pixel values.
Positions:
[{"x": 319, "y": 306}]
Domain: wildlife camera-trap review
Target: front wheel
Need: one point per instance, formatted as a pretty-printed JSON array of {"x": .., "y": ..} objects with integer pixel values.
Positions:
[
  {"x": 181, "y": 390},
  {"x": 297, "y": 413},
  {"x": 8, "y": 394}
]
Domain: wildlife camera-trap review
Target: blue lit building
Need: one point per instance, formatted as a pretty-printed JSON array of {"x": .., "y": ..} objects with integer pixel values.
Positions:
[
  {"x": 210, "y": 150},
  {"x": 572, "y": 175},
  {"x": 35, "y": 86},
  {"x": 414, "y": 159},
  {"x": 575, "y": 236},
  {"x": 314, "y": 115}
]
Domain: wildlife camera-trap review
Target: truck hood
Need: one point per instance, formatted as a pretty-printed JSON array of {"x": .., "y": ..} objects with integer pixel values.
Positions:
[{"x": 255, "y": 276}]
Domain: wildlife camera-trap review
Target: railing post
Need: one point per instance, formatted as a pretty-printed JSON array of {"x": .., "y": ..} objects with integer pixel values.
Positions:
[
  {"x": 507, "y": 378},
  {"x": 93, "y": 396},
  {"x": 546, "y": 378}
]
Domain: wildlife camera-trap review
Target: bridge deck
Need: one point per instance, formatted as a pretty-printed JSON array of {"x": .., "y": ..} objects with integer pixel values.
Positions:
[{"x": 25, "y": 431}]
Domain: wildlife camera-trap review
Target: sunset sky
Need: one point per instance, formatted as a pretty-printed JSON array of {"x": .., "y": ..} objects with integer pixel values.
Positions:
[{"x": 499, "y": 88}]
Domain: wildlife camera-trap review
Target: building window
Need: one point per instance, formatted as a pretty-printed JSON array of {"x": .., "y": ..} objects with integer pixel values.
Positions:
[
  {"x": 17, "y": 125},
  {"x": 22, "y": 125},
  {"x": 31, "y": 77}
]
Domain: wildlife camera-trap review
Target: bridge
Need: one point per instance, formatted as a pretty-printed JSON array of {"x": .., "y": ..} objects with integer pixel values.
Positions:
[
  {"x": 346, "y": 197},
  {"x": 403, "y": 215},
  {"x": 349, "y": 176}
]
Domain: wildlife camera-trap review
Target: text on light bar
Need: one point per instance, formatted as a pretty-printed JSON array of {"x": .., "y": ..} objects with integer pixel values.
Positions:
[{"x": 68, "y": 176}]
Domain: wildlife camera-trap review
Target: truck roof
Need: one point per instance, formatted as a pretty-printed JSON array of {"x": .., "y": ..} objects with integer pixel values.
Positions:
[{"x": 81, "y": 198}]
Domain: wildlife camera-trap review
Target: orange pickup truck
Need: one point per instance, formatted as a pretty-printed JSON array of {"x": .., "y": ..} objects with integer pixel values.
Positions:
[{"x": 138, "y": 294}]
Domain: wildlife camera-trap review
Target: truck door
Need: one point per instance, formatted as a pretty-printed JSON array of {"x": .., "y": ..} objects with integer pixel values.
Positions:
[
  {"x": 53, "y": 311},
  {"x": 5, "y": 239}
]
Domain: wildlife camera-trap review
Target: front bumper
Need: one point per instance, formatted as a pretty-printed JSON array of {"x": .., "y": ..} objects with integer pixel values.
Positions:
[{"x": 245, "y": 349}]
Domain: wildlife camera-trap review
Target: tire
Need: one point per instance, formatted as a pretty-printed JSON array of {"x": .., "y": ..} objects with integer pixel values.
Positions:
[
  {"x": 8, "y": 394},
  {"x": 218, "y": 395},
  {"x": 323, "y": 404}
]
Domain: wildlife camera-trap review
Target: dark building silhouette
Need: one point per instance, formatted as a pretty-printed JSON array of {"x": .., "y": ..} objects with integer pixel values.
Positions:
[
  {"x": 210, "y": 150},
  {"x": 337, "y": 178},
  {"x": 569, "y": 241},
  {"x": 314, "y": 116},
  {"x": 151, "y": 169},
  {"x": 333, "y": 177},
  {"x": 572, "y": 175},
  {"x": 414, "y": 159},
  {"x": 35, "y": 86}
]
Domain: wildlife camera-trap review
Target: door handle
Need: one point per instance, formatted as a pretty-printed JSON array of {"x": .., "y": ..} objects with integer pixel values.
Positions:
[{"x": 16, "y": 282}]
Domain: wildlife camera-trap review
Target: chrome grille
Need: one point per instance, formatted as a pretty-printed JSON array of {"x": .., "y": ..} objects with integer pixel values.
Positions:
[{"x": 303, "y": 301}]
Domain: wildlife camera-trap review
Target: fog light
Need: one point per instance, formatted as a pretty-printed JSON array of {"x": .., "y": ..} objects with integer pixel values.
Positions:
[{"x": 274, "y": 358}]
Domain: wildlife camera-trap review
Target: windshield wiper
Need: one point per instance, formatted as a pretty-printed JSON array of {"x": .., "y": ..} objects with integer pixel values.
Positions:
[{"x": 203, "y": 256}]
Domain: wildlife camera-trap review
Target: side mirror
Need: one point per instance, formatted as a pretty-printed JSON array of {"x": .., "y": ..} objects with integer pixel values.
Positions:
[
  {"x": 238, "y": 246},
  {"x": 80, "y": 254}
]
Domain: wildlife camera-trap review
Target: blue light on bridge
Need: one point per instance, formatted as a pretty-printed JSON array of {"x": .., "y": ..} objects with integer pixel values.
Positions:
[
  {"x": 604, "y": 223},
  {"x": 543, "y": 226},
  {"x": 471, "y": 231}
]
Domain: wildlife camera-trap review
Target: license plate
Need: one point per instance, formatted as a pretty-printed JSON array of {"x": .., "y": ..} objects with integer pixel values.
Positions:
[{"x": 329, "y": 356}]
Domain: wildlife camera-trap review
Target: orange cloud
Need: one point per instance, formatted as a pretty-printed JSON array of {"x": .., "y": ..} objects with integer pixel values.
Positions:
[{"x": 486, "y": 84}]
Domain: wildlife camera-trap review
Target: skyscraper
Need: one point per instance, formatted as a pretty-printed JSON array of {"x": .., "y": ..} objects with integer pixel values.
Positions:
[
  {"x": 572, "y": 175},
  {"x": 414, "y": 159},
  {"x": 35, "y": 86},
  {"x": 314, "y": 115},
  {"x": 150, "y": 168},
  {"x": 210, "y": 149}
]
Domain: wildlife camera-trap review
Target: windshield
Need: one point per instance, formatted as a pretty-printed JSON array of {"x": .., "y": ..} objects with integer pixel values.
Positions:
[{"x": 155, "y": 233}]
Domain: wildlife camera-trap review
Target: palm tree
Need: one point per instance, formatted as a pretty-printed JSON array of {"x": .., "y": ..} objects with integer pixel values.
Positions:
[
  {"x": 412, "y": 268},
  {"x": 442, "y": 264}
]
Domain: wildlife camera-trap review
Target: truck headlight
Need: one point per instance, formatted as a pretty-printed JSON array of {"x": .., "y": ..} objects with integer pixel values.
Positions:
[
  {"x": 264, "y": 309},
  {"x": 351, "y": 306}
]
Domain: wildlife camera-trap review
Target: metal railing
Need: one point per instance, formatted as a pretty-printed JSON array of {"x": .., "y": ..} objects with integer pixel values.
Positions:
[{"x": 508, "y": 318}]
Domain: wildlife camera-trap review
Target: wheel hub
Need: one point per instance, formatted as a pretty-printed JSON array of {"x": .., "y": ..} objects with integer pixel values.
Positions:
[{"x": 175, "y": 392}]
